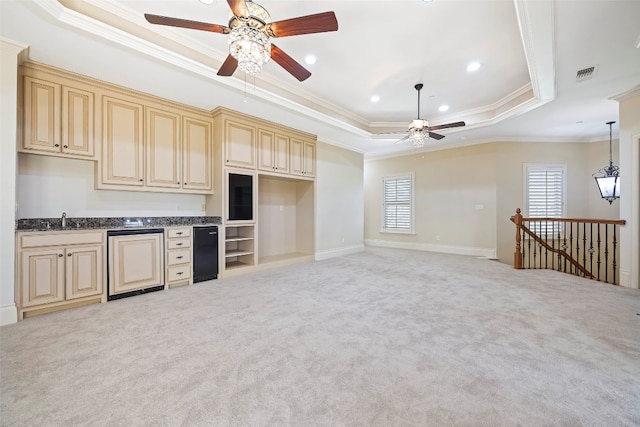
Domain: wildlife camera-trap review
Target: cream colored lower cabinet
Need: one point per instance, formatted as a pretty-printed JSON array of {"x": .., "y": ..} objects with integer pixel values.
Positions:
[
  {"x": 59, "y": 270},
  {"x": 135, "y": 262},
  {"x": 179, "y": 256}
]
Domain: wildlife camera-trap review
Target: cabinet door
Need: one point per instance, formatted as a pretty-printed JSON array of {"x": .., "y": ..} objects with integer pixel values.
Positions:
[
  {"x": 77, "y": 122},
  {"x": 240, "y": 145},
  {"x": 309, "y": 159},
  {"x": 162, "y": 148},
  {"x": 41, "y": 115},
  {"x": 281, "y": 153},
  {"x": 42, "y": 276},
  {"x": 265, "y": 150},
  {"x": 135, "y": 262},
  {"x": 297, "y": 152},
  {"x": 83, "y": 271},
  {"x": 197, "y": 154},
  {"x": 122, "y": 145}
]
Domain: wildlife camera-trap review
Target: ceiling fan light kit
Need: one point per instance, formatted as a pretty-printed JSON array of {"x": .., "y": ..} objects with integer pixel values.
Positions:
[
  {"x": 250, "y": 30},
  {"x": 420, "y": 131},
  {"x": 250, "y": 47}
]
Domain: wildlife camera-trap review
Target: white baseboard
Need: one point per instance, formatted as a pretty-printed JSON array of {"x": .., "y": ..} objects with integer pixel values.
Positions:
[
  {"x": 625, "y": 279},
  {"x": 336, "y": 252},
  {"x": 8, "y": 315},
  {"x": 445, "y": 249}
]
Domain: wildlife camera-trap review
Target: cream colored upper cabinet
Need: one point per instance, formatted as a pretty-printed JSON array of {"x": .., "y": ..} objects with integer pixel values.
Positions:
[
  {"x": 309, "y": 159},
  {"x": 42, "y": 107},
  {"x": 78, "y": 122},
  {"x": 240, "y": 144},
  {"x": 303, "y": 158},
  {"x": 163, "y": 167},
  {"x": 197, "y": 154},
  {"x": 155, "y": 148},
  {"x": 273, "y": 152},
  {"x": 122, "y": 143},
  {"x": 58, "y": 119}
]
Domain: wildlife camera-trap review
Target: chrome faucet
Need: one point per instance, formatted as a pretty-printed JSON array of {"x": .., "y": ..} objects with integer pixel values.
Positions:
[{"x": 64, "y": 219}]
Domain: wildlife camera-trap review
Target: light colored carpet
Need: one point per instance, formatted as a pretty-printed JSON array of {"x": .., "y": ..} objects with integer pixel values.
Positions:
[{"x": 386, "y": 337}]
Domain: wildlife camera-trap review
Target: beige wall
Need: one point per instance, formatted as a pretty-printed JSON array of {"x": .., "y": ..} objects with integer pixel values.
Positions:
[
  {"x": 582, "y": 192},
  {"x": 630, "y": 188},
  {"x": 9, "y": 56},
  {"x": 452, "y": 185},
  {"x": 48, "y": 186},
  {"x": 339, "y": 201},
  {"x": 455, "y": 200}
]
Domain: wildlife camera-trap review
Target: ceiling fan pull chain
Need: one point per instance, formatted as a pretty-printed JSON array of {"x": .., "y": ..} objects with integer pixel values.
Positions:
[{"x": 245, "y": 87}]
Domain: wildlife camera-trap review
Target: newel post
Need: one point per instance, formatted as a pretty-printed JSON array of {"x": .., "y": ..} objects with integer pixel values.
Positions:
[{"x": 517, "y": 256}]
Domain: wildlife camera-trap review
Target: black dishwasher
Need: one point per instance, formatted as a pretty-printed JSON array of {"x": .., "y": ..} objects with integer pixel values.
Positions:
[{"x": 205, "y": 253}]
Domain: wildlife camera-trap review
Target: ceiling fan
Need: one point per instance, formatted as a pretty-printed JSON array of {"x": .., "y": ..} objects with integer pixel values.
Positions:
[
  {"x": 250, "y": 29},
  {"x": 419, "y": 130}
]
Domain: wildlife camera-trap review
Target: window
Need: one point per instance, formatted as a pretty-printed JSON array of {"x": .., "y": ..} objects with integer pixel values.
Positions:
[
  {"x": 397, "y": 204},
  {"x": 545, "y": 195}
]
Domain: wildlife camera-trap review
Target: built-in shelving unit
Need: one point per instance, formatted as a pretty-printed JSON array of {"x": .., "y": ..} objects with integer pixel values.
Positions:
[
  {"x": 286, "y": 207},
  {"x": 239, "y": 246}
]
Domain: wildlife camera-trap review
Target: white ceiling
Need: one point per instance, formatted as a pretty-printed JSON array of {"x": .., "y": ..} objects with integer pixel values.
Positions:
[{"x": 526, "y": 89}]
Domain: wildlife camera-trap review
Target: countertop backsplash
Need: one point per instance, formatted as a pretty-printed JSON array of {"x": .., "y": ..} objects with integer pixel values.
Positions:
[{"x": 55, "y": 224}]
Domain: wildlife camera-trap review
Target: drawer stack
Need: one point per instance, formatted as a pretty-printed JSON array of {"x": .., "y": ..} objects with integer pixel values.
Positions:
[{"x": 179, "y": 256}]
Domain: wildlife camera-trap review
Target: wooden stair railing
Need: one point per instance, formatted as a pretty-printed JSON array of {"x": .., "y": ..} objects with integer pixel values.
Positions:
[{"x": 533, "y": 237}]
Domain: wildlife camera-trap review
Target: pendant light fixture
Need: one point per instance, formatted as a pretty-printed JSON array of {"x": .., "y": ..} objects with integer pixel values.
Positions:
[{"x": 608, "y": 178}]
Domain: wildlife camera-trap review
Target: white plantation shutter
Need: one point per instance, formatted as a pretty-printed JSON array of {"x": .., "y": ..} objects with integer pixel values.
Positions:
[
  {"x": 398, "y": 204},
  {"x": 545, "y": 193}
]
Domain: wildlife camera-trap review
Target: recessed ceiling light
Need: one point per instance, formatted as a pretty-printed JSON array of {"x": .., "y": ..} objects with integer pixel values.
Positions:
[
  {"x": 207, "y": 1},
  {"x": 579, "y": 121},
  {"x": 375, "y": 98},
  {"x": 310, "y": 59},
  {"x": 473, "y": 66},
  {"x": 443, "y": 108}
]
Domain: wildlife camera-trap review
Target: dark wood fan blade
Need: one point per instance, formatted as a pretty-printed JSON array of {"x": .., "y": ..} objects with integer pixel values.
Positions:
[
  {"x": 289, "y": 64},
  {"x": 185, "y": 23},
  {"x": 435, "y": 136},
  {"x": 446, "y": 126},
  {"x": 402, "y": 140},
  {"x": 239, "y": 8},
  {"x": 228, "y": 67},
  {"x": 318, "y": 23}
]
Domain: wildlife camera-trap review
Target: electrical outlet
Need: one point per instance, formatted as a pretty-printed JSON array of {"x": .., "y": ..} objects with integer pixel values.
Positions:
[{"x": 203, "y": 208}]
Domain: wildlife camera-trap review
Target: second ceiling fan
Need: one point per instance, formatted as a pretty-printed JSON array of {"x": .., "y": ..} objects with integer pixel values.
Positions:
[
  {"x": 420, "y": 131},
  {"x": 250, "y": 29}
]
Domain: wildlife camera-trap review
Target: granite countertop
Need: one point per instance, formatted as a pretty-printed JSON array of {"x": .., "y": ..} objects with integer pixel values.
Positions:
[{"x": 55, "y": 224}]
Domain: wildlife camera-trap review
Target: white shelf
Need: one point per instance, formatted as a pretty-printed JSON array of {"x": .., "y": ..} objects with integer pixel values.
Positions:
[
  {"x": 238, "y": 239},
  {"x": 236, "y": 264},
  {"x": 234, "y": 253}
]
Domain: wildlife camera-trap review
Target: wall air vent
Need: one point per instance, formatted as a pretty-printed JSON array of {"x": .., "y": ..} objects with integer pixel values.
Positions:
[{"x": 586, "y": 73}]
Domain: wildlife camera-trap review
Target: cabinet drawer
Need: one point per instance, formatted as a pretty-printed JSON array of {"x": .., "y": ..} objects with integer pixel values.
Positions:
[
  {"x": 178, "y": 232},
  {"x": 182, "y": 272},
  {"x": 63, "y": 238},
  {"x": 178, "y": 256},
  {"x": 178, "y": 243}
]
